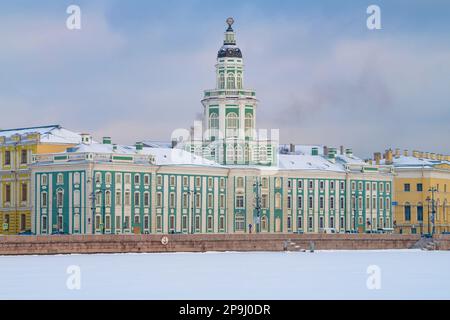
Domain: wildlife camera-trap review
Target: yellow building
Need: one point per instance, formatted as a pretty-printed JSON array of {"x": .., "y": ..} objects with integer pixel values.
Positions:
[
  {"x": 16, "y": 149},
  {"x": 421, "y": 187}
]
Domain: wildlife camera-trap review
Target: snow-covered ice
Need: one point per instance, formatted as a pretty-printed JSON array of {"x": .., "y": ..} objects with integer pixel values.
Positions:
[{"x": 405, "y": 274}]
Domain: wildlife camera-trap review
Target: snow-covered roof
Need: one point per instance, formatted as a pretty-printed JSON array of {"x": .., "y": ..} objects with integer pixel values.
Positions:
[
  {"x": 308, "y": 162},
  {"x": 413, "y": 162},
  {"x": 157, "y": 144},
  {"x": 161, "y": 156},
  {"x": 48, "y": 134}
]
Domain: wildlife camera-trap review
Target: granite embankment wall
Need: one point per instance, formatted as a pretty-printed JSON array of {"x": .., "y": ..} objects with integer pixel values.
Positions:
[{"x": 37, "y": 245}]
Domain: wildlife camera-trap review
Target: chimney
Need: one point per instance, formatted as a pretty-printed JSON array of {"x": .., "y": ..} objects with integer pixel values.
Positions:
[
  {"x": 174, "y": 143},
  {"x": 349, "y": 152},
  {"x": 397, "y": 153},
  {"x": 325, "y": 151},
  {"x": 139, "y": 146},
  {"x": 377, "y": 157},
  {"x": 405, "y": 152},
  {"x": 107, "y": 140},
  {"x": 292, "y": 148},
  {"x": 341, "y": 149},
  {"x": 332, "y": 154},
  {"x": 86, "y": 138},
  {"x": 389, "y": 157},
  {"x": 416, "y": 154}
]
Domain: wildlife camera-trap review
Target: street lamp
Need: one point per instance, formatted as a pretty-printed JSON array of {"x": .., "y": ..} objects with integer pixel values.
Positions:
[
  {"x": 428, "y": 199},
  {"x": 257, "y": 187},
  {"x": 433, "y": 190}
]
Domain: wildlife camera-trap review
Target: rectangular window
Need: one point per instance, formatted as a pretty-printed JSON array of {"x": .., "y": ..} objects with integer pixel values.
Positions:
[
  {"x": 289, "y": 202},
  {"x": 331, "y": 185},
  {"x": 127, "y": 223},
  {"x": 137, "y": 199},
  {"x": 198, "y": 182},
  {"x": 221, "y": 222},
  {"x": 240, "y": 182},
  {"x": 210, "y": 201},
  {"x": 210, "y": 183},
  {"x": 222, "y": 183},
  {"x": 341, "y": 223},
  {"x": 159, "y": 199},
  {"x": 127, "y": 198},
  {"x": 23, "y": 157},
  {"x": 342, "y": 186},
  {"x": 171, "y": 223},
  {"x": 419, "y": 187},
  {"x": 44, "y": 199},
  {"x": 108, "y": 222},
  {"x": 300, "y": 184},
  {"x": 172, "y": 200},
  {"x": 159, "y": 223},
  {"x": 311, "y": 184},
  {"x": 184, "y": 223},
  {"x": 342, "y": 203},
  {"x": 222, "y": 201},
  {"x": 146, "y": 222},
  {"x": 239, "y": 201},
  {"x": 198, "y": 200},
  {"x": 185, "y": 182},
  {"x": 407, "y": 187},
  {"x": 24, "y": 195},
  {"x": 197, "y": 224},
  {"x": 128, "y": 178},
  {"x": 322, "y": 185},
  {"x": 147, "y": 199},
  {"x": 300, "y": 222},
  {"x": 332, "y": 203},
  {"x": 7, "y": 160},
  {"x": 172, "y": 181},
  {"x": 310, "y": 222},
  {"x": 118, "y": 223},
  {"x": 407, "y": 213},
  {"x": 264, "y": 201},
  {"x": 8, "y": 193},
  {"x": 23, "y": 222},
  {"x": 419, "y": 213},
  {"x": 118, "y": 178},
  {"x": 239, "y": 223},
  {"x": 137, "y": 179},
  {"x": 108, "y": 178},
  {"x": 310, "y": 202},
  {"x": 300, "y": 202},
  {"x": 147, "y": 180},
  {"x": 118, "y": 198},
  {"x": 210, "y": 222},
  {"x": 321, "y": 202}
]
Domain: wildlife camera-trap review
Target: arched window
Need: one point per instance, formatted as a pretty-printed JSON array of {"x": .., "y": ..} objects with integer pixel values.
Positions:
[
  {"x": 231, "y": 81},
  {"x": 76, "y": 178},
  {"x": 76, "y": 198},
  {"x": 108, "y": 198},
  {"x": 239, "y": 154},
  {"x": 444, "y": 210},
  {"x": 221, "y": 81},
  {"x": 264, "y": 223},
  {"x": 232, "y": 121},
  {"x": 60, "y": 178},
  {"x": 248, "y": 121},
  {"x": 239, "y": 81},
  {"x": 262, "y": 154},
  {"x": 246, "y": 154},
  {"x": 277, "y": 201},
  {"x": 419, "y": 211},
  {"x": 214, "y": 121},
  {"x": 230, "y": 153},
  {"x": 407, "y": 211},
  {"x": 59, "y": 198}
]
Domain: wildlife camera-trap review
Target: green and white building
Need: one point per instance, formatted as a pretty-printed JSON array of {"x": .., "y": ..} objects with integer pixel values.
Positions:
[{"x": 227, "y": 181}]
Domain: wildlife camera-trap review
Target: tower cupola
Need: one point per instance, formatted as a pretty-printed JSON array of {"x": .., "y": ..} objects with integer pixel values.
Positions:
[{"x": 229, "y": 48}]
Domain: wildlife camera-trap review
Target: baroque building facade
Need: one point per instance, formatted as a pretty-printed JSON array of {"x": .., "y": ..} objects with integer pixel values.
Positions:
[
  {"x": 16, "y": 149},
  {"x": 229, "y": 180},
  {"x": 422, "y": 191}
]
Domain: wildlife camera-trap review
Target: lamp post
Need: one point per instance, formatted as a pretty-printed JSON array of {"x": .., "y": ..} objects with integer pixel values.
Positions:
[
  {"x": 428, "y": 199},
  {"x": 257, "y": 187},
  {"x": 433, "y": 190}
]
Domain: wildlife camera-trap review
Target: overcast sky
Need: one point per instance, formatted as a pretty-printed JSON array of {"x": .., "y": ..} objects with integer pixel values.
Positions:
[{"x": 137, "y": 69}]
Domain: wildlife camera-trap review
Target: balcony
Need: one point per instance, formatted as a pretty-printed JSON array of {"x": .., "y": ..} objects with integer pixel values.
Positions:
[{"x": 239, "y": 93}]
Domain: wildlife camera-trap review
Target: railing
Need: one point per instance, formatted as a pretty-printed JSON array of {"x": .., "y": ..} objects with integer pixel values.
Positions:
[
  {"x": 226, "y": 92},
  {"x": 101, "y": 157}
]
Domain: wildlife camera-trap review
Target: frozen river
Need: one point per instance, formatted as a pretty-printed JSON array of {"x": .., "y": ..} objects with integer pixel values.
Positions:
[{"x": 321, "y": 275}]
